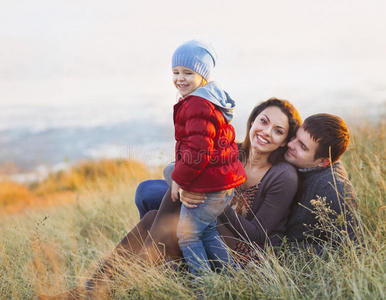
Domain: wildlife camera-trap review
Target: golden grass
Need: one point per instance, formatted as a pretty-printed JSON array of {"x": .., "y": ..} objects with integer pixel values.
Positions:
[
  {"x": 11, "y": 192},
  {"x": 56, "y": 247},
  {"x": 64, "y": 186},
  {"x": 72, "y": 216}
]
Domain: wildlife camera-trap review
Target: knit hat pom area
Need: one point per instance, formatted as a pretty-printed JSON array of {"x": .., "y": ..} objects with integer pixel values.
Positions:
[{"x": 197, "y": 56}]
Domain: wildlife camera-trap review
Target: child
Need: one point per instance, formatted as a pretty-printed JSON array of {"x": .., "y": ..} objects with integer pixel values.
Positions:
[{"x": 206, "y": 154}]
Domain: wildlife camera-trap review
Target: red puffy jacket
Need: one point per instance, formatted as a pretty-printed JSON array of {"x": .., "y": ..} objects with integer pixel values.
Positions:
[{"x": 206, "y": 152}]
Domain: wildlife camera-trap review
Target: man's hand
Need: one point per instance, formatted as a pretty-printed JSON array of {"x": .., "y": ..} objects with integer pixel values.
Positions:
[
  {"x": 191, "y": 199},
  {"x": 175, "y": 191}
]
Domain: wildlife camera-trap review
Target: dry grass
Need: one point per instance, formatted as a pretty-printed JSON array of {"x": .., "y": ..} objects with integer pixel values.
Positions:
[
  {"x": 54, "y": 248},
  {"x": 64, "y": 186}
]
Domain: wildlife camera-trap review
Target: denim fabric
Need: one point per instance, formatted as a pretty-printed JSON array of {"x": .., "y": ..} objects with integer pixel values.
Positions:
[
  {"x": 198, "y": 237},
  {"x": 149, "y": 194}
]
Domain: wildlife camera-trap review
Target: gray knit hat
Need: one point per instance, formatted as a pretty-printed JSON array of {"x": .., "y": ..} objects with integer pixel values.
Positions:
[{"x": 197, "y": 56}]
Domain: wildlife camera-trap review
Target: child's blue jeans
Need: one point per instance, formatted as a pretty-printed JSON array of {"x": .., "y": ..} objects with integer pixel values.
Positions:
[{"x": 198, "y": 237}]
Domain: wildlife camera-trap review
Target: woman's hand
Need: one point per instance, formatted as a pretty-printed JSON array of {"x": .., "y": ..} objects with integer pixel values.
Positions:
[
  {"x": 191, "y": 199},
  {"x": 175, "y": 191}
]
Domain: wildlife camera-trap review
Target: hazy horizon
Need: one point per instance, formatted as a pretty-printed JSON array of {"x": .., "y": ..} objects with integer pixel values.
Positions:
[{"x": 99, "y": 66}]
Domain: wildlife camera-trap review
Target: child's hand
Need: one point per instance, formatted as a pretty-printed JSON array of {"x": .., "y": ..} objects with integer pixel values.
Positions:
[
  {"x": 175, "y": 191},
  {"x": 190, "y": 199}
]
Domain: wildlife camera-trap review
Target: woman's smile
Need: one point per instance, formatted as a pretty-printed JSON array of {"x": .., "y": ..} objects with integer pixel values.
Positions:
[
  {"x": 262, "y": 140},
  {"x": 269, "y": 130}
]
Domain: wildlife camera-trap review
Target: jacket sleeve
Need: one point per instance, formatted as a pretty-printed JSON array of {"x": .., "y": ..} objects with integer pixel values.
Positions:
[
  {"x": 196, "y": 151},
  {"x": 276, "y": 204}
]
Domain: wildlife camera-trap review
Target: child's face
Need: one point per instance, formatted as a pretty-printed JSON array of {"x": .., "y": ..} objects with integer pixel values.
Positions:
[{"x": 186, "y": 80}]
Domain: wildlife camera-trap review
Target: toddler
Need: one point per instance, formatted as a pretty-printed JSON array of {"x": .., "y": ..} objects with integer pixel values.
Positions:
[{"x": 206, "y": 154}]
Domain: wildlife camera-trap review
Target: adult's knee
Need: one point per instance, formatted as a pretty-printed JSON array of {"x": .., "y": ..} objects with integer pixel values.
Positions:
[
  {"x": 149, "y": 194},
  {"x": 140, "y": 193}
]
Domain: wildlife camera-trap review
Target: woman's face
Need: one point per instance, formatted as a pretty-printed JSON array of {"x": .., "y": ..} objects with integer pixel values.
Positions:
[{"x": 269, "y": 130}]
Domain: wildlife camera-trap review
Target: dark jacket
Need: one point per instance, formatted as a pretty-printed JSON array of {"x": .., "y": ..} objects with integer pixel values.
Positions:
[{"x": 323, "y": 188}]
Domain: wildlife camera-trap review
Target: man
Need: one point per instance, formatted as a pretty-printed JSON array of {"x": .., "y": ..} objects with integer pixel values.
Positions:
[
  {"x": 322, "y": 211},
  {"x": 324, "y": 207}
]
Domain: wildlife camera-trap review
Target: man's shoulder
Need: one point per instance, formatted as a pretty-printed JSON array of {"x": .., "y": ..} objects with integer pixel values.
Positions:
[
  {"x": 335, "y": 172},
  {"x": 330, "y": 182}
]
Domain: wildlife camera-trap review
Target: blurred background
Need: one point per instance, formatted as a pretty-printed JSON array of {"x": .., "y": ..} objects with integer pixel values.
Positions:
[{"x": 91, "y": 79}]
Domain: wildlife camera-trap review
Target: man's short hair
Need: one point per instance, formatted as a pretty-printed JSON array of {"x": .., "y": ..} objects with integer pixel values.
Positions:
[{"x": 328, "y": 131}]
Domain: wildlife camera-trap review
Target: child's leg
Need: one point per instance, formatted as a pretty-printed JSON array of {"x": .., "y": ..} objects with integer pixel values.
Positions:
[
  {"x": 216, "y": 249},
  {"x": 214, "y": 245},
  {"x": 194, "y": 222},
  {"x": 189, "y": 233}
]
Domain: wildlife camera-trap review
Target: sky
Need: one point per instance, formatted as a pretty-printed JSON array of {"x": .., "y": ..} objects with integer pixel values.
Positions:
[{"x": 91, "y": 54}]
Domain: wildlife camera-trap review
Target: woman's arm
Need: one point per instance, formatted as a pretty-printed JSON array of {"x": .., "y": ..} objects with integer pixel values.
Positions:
[
  {"x": 275, "y": 207},
  {"x": 174, "y": 186},
  {"x": 191, "y": 199}
]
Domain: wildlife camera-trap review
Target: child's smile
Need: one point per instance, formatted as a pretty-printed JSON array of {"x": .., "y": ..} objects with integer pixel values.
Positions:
[{"x": 186, "y": 80}]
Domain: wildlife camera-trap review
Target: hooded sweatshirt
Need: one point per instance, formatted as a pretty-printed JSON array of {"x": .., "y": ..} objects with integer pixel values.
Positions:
[{"x": 206, "y": 152}]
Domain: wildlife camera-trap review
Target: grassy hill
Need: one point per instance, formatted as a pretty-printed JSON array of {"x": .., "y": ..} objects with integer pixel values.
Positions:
[{"x": 54, "y": 233}]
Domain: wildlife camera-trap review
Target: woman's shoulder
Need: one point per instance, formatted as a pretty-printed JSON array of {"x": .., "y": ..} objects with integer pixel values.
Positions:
[
  {"x": 284, "y": 166},
  {"x": 282, "y": 175},
  {"x": 282, "y": 171}
]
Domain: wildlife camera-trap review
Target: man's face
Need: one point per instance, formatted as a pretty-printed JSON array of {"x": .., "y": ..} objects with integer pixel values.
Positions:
[{"x": 301, "y": 151}]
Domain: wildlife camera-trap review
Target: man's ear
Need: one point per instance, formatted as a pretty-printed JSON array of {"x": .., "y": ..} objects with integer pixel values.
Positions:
[{"x": 323, "y": 161}]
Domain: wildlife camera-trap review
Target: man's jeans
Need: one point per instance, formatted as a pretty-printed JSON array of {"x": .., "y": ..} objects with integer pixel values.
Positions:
[
  {"x": 149, "y": 194},
  {"x": 198, "y": 237}
]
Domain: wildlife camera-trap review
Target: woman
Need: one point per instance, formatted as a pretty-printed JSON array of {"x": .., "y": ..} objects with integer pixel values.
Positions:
[{"x": 258, "y": 211}]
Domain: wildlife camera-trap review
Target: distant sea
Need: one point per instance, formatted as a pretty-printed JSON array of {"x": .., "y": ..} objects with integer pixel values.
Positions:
[{"x": 36, "y": 139}]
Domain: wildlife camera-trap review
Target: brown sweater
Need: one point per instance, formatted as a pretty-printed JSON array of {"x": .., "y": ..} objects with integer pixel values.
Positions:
[{"x": 270, "y": 208}]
